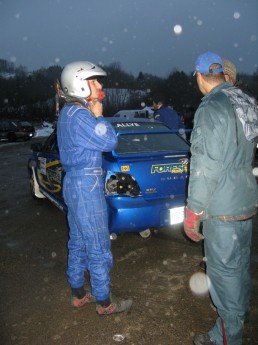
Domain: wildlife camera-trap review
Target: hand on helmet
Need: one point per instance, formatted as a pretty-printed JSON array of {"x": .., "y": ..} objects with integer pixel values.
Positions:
[{"x": 96, "y": 107}]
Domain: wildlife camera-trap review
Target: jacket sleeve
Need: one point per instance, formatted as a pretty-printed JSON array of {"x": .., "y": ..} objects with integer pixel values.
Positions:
[
  {"x": 94, "y": 133},
  {"x": 207, "y": 147}
]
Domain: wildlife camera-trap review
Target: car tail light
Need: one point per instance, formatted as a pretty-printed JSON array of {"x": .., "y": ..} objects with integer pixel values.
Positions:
[
  {"x": 118, "y": 183},
  {"x": 22, "y": 130}
]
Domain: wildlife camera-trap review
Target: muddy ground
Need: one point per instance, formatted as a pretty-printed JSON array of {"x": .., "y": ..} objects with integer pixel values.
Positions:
[{"x": 155, "y": 272}]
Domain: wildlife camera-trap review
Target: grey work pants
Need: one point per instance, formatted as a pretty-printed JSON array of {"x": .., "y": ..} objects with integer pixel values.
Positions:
[{"x": 227, "y": 250}]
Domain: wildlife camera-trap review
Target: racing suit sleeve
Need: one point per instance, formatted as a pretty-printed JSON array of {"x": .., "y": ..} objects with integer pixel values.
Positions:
[
  {"x": 207, "y": 156},
  {"x": 94, "y": 133}
]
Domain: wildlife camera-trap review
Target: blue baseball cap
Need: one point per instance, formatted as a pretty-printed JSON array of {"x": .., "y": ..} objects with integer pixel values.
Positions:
[{"x": 205, "y": 60}]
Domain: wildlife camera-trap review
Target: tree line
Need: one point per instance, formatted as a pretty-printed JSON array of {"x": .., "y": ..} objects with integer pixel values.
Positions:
[{"x": 31, "y": 96}]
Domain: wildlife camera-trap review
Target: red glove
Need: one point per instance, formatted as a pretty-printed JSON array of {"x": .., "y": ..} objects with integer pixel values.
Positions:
[
  {"x": 101, "y": 96},
  {"x": 192, "y": 225}
]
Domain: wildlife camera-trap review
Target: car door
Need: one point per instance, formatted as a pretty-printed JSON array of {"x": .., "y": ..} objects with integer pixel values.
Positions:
[{"x": 49, "y": 169}]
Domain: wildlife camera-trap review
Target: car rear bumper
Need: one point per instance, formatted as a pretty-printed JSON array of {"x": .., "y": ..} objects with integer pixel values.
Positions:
[{"x": 137, "y": 214}]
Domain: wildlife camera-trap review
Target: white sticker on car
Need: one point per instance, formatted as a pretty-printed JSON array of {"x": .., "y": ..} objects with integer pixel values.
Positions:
[
  {"x": 131, "y": 124},
  {"x": 42, "y": 162}
]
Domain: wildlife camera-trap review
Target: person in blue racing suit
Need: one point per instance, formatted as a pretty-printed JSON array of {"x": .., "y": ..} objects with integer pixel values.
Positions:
[
  {"x": 166, "y": 114},
  {"x": 83, "y": 134}
]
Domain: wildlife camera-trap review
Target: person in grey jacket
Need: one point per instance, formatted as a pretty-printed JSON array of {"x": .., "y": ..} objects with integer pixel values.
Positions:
[{"x": 223, "y": 194}]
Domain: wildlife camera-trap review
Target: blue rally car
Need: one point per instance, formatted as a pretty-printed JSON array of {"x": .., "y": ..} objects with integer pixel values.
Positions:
[{"x": 145, "y": 177}]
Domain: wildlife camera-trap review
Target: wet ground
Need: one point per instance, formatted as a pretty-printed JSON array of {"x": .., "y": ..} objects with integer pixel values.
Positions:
[{"x": 155, "y": 272}]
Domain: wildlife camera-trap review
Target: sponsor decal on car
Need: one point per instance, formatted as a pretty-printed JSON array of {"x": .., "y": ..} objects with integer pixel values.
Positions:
[
  {"x": 173, "y": 168},
  {"x": 131, "y": 124},
  {"x": 151, "y": 190},
  {"x": 50, "y": 174},
  {"x": 42, "y": 165}
]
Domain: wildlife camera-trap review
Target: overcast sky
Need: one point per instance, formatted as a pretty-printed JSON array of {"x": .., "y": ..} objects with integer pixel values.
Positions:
[{"x": 149, "y": 36}]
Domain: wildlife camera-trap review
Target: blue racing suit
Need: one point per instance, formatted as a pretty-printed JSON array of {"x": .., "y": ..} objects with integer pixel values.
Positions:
[
  {"x": 81, "y": 140},
  {"x": 170, "y": 117}
]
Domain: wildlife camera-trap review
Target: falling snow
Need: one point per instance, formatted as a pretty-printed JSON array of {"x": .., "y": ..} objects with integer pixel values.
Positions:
[
  {"x": 236, "y": 15},
  {"x": 199, "y": 283},
  {"x": 178, "y": 29},
  {"x": 255, "y": 171},
  {"x": 127, "y": 34}
]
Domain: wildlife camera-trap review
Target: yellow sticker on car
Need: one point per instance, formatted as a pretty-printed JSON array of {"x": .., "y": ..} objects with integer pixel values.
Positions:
[{"x": 125, "y": 168}]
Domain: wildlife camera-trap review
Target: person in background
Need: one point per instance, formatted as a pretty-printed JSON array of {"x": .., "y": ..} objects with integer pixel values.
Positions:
[
  {"x": 222, "y": 193},
  {"x": 230, "y": 71},
  {"x": 166, "y": 114},
  {"x": 83, "y": 134}
]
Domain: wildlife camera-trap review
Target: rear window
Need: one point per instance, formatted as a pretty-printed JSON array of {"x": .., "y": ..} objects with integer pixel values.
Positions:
[
  {"x": 25, "y": 123},
  {"x": 150, "y": 142}
]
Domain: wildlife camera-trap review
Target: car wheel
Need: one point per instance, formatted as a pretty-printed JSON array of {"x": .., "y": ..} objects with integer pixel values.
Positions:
[{"x": 145, "y": 233}]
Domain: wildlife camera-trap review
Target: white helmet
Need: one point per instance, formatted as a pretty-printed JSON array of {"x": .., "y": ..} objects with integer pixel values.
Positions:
[{"x": 75, "y": 75}]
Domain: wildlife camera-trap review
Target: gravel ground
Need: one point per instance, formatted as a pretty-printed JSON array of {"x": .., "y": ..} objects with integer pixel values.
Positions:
[{"x": 155, "y": 272}]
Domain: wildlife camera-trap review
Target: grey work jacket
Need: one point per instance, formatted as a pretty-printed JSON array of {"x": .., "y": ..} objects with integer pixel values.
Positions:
[{"x": 221, "y": 179}]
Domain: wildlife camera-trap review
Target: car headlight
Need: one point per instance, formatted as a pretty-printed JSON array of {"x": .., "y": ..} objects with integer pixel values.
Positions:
[{"x": 118, "y": 183}]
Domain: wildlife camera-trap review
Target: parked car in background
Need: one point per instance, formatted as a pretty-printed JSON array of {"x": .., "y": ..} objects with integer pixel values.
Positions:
[
  {"x": 145, "y": 177},
  {"x": 13, "y": 130}
]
